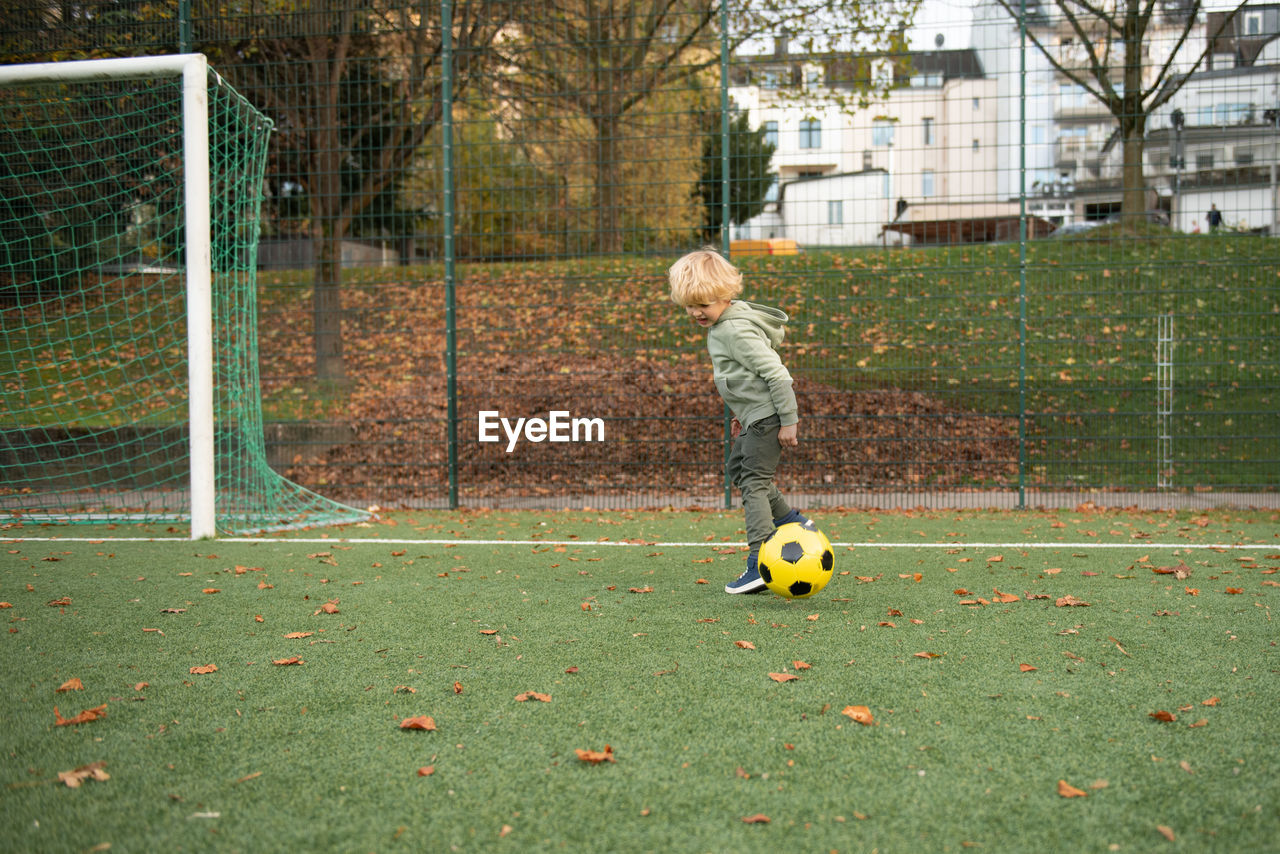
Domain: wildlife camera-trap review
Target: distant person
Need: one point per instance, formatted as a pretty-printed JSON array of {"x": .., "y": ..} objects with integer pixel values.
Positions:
[{"x": 1214, "y": 216}]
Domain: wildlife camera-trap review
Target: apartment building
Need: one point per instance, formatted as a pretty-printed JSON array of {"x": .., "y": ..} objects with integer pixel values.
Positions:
[{"x": 913, "y": 160}]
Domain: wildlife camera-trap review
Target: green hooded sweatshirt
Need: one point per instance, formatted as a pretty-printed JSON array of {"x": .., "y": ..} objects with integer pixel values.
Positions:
[{"x": 749, "y": 375}]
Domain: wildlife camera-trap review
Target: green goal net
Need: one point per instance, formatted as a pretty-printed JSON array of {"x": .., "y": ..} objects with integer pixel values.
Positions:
[{"x": 129, "y": 205}]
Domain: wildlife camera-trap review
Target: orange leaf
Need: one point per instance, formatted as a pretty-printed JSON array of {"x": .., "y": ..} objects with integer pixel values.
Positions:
[
  {"x": 595, "y": 757},
  {"x": 645, "y": 589},
  {"x": 420, "y": 722},
  {"x": 295, "y": 635},
  {"x": 1025, "y": 668},
  {"x": 1192, "y": 591},
  {"x": 286, "y": 661},
  {"x": 1212, "y": 701},
  {"x": 1070, "y": 601},
  {"x": 83, "y": 718},
  {"x": 1069, "y": 791},
  {"x": 1235, "y": 590},
  {"x": 1005, "y": 597},
  {"x": 208, "y": 668},
  {"x": 92, "y": 771},
  {"x": 1166, "y": 832},
  {"x": 211, "y": 590},
  {"x": 783, "y": 677},
  {"x": 744, "y": 644},
  {"x": 426, "y": 770},
  {"x": 758, "y": 818},
  {"x": 1163, "y": 716},
  {"x": 457, "y": 687},
  {"x": 927, "y": 655},
  {"x": 330, "y": 607},
  {"x": 802, "y": 665},
  {"x": 861, "y": 714},
  {"x": 533, "y": 695},
  {"x": 72, "y": 684}
]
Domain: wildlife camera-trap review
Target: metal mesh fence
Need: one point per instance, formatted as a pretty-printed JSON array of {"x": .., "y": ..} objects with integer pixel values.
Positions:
[{"x": 1028, "y": 252}]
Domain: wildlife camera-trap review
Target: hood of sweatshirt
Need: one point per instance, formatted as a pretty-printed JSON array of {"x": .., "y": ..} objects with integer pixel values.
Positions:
[{"x": 770, "y": 321}]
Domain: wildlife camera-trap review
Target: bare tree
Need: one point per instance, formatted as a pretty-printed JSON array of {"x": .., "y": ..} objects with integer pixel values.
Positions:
[
  {"x": 1110, "y": 43},
  {"x": 600, "y": 60},
  {"x": 296, "y": 63}
]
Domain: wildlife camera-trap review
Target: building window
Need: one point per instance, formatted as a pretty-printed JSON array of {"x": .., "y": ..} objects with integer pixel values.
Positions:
[
  {"x": 1253, "y": 24},
  {"x": 927, "y": 126},
  {"x": 1204, "y": 161},
  {"x": 882, "y": 132},
  {"x": 769, "y": 79},
  {"x": 926, "y": 183},
  {"x": 771, "y": 133},
  {"x": 975, "y": 145},
  {"x": 886, "y": 186},
  {"x": 866, "y": 160},
  {"x": 977, "y": 104},
  {"x": 810, "y": 133},
  {"x": 835, "y": 213}
]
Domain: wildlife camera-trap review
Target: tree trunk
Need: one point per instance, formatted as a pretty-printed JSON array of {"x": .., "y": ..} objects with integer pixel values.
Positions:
[
  {"x": 608, "y": 227},
  {"x": 1134, "y": 202},
  {"x": 326, "y": 303}
]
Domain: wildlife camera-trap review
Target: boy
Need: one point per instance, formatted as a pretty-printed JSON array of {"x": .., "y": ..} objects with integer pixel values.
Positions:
[{"x": 742, "y": 339}]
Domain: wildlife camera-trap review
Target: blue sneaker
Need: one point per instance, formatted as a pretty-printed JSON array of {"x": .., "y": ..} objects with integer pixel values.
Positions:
[
  {"x": 798, "y": 517},
  {"x": 750, "y": 581}
]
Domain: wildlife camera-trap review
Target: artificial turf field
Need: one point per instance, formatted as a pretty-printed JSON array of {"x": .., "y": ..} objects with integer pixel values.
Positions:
[{"x": 1004, "y": 717}]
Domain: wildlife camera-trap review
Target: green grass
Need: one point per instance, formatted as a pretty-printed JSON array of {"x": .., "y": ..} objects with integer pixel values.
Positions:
[{"x": 966, "y": 750}]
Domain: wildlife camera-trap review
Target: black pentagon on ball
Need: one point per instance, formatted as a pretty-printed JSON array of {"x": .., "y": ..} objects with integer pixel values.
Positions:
[
  {"x": 764, "y": 572},
  {"x": 800, "y": 588},
  {"x": 792, "y": 552},
  {"x": 828, "y": 560}
]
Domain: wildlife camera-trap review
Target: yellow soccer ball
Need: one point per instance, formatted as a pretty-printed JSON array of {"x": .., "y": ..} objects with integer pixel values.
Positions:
[{"x": 796, "y": 562}]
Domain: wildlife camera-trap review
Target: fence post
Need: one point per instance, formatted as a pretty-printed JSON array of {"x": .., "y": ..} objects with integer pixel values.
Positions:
[
  {"x": 725, "y": 220},
  {"x": 450, "y": 313},
  {"x": 1022, "y": 255}
]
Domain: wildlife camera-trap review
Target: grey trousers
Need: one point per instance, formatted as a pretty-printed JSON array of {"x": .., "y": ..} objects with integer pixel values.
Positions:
[{"x": 751, "y": 466}]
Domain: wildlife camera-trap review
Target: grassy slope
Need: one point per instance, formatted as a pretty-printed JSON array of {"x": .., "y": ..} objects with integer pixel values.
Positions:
[{"x": 966, "y": 747}]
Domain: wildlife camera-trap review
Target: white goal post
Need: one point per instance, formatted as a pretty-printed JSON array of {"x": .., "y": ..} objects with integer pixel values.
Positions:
[
  {"x": 210, "y": 283},
  {"x": 194, "y": 71}
]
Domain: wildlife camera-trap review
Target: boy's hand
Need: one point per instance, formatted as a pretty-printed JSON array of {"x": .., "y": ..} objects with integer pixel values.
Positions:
[
  {"x": 787, "y": 436},
  {"x": 735, "y": 427}
]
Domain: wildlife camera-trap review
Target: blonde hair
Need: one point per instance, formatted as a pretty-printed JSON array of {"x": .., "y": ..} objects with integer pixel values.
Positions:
[{"x": 703, "y": 277}]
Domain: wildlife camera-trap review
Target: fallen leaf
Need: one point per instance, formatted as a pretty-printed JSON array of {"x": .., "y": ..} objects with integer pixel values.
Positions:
[
  {"x": 426, "y": 770},
  {"x": 783, "y": 677},
  {"x": 296, "y": 635},
  {"x": 1235, "y": 591},
  {"x": 1005, "y": 597},
  {"x": 92, "y": 771},
  {"x": 533, "y": 695},
  {"x": 1026, "y": 668},
  {"x": 927, "y": 655},
  {"x": 57, "y": 603},
  {"x": 208, "y": 668},
  {"x": 83, "y": 718},
  {"x": 1067, "y": 790},
  {"x": 758, "y": 818},
  {"x": 802, "y": 665},
  {"x": 1179, "y": 572},
  {"x": 1166, "y": 832},
  {"x": 1163, "y": 716},
  {"x": 861, "y": 714},
  {"x": 72, "y": 684},
  {"x": 744, "y": 644},
  {"x": 425, "y": 722},
  {"x": 283, "y": 662},
  {"x": 211, "y": 590},
  {"x": 457, "y": 687},
  {"x": 1070, "y": 601},
  {"x": 330, "y": 607},
  {"x": 595, "y": 757},
  {"x": 1212, "y": 701},
  {"x": 645, "y": 589}
]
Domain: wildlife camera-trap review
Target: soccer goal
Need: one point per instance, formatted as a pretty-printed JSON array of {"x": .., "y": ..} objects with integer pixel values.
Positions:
[{"x": 130, "y": 195}]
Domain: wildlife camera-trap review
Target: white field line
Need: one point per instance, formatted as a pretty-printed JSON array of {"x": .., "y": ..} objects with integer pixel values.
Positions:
[{"x": 334, "y": 541}]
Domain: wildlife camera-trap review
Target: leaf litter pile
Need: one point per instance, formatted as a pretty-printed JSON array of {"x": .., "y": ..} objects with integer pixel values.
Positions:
[
  {"x": 523, "y": 353},
  {"x": 1127, "y": 693}
]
